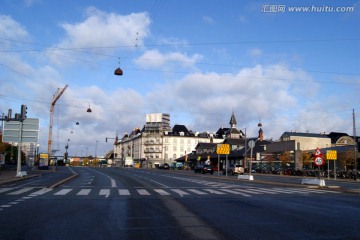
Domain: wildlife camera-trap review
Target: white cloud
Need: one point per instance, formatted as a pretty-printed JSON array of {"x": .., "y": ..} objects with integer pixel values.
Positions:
[
  {"x": 208, "y": 20},
  {"x": 255, "y": 52},
  {"x": 156, "y": 59},
  {"x": 103, "y": 33},
  {"x": 204, "y": 102},
  {"x": 10, "y": 30}
]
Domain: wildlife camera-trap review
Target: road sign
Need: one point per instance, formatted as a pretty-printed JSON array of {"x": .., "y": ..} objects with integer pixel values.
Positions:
[
  {"x": 30, "y": 130},
  {"x": 251, "y": 144},
  {"x": 319, "y": 161},
  {"x": 223, "y": 149},
  {"x": 331, "y": 155},
  {"x": 317, "y": 152}
]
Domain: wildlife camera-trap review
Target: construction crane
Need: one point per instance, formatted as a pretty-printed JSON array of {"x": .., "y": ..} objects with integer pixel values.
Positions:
[{"x": 56, "y": 96}]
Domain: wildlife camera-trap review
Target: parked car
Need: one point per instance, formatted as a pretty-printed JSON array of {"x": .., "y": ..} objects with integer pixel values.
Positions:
[
  {"x": 164, "y": 166},
  {"x": 200, "y": 168},
  {"x": 234, "y": 169}
]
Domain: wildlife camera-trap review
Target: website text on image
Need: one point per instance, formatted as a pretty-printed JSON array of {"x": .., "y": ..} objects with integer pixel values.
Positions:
[{"x": 281, "y": 8}]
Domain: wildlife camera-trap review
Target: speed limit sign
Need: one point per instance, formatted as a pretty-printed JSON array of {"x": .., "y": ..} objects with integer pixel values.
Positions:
[{"x": 319, "y": 161}]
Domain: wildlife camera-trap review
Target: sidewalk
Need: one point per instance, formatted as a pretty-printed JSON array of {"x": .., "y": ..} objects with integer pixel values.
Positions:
[
  {"x": 8, "y": 174},
  {"x": 56, "y": 175}
]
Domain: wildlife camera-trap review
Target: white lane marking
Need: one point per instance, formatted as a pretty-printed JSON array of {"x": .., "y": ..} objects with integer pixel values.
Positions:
[
  {"x": 143, "y": 192},
  {"x": 84, "y": 192},
  {"x": 113, "y": 183},
  {"x": 124, "y": 192},
  {"x": 63, "y": 191},
  {"x": 161, "y": 192},
  {"x": 163, "y": 185},
  {"x": 5, "y": 206},
  {"x": 105, "y": 192},
  {"x": 24, "y": 190},
  {"x": 197, "y": 191}
]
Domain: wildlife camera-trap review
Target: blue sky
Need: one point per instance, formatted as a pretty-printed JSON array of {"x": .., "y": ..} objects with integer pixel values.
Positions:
[{"x": 197, "y": 60}]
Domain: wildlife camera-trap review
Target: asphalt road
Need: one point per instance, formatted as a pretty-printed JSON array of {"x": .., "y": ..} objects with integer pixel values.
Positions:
[{"x": 114, "y": 203}]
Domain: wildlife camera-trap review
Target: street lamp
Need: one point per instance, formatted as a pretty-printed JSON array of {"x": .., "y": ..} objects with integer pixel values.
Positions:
[
  {"x": 66, "y": 151},
  {"x": 96, "y": 148}
]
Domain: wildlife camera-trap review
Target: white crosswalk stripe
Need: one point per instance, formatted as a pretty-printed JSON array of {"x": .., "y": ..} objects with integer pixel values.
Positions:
[
  {"x": 21, "y": 191},
  {"x": 235, "y": 192},
  {"x": 5, "y": 189},
  {"x": 197, "y": 191},
  {"x": 124, "y": 192},
  {"x": 106, "y": 192},
  {"x": 41, "y": 192},
  {"x": 63, "y": 191},
  {"x": 214, "y": 191},
  {"x": 143, "y": 192},
  {"x": 247, "y": 191},
  {"x": 84, "y": 192},
  {"x": 162, "y": 192},
  {"x": 263, "y": 190},
  {"x": 180, "y": 192}
]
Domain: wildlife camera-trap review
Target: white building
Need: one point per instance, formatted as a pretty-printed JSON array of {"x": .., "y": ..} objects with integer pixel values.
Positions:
[{"x": 158, "y": 143}]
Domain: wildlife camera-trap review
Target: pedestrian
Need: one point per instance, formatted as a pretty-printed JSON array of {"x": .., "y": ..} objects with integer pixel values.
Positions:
[{"x": 354, "y": 174}]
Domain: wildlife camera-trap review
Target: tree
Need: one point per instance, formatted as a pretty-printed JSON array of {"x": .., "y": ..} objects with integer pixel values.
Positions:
[
  {"x": 347, "y": 158},
  {"x": 285, "y": 158},
  {"x": 306, "y": 158}
]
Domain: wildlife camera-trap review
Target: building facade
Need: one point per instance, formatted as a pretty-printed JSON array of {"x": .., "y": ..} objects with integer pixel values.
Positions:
[{"x": 157, "y": 143}]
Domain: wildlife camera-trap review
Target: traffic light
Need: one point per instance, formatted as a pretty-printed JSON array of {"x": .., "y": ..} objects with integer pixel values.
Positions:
[{"x": 23, "y": 112}]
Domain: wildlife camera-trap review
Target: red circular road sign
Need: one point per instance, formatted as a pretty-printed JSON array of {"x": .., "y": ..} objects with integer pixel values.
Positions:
[{"x": 319, "y": 161}]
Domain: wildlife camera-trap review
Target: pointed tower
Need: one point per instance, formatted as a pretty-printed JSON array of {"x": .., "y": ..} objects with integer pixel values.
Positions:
[
  {"x": 233, "y": 132},
  {"x": 233, "y": 120}
]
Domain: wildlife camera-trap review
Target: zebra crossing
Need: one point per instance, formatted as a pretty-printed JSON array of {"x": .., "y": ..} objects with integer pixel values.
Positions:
[{"x": 182, "y": 192}]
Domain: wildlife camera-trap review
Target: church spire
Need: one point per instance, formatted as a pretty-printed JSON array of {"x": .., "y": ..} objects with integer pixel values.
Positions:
[{"x": 233, "y": 120}]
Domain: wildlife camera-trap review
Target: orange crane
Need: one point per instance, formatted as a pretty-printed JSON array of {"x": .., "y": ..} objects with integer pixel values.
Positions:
[{"x": 56, "y": 96}]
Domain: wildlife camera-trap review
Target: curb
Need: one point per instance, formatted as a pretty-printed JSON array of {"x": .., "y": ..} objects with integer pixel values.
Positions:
[{"x": 55, "y": 185}]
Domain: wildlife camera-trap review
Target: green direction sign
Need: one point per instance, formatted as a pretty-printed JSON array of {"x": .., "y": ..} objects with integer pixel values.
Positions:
[{"x": 30, "y": 131}]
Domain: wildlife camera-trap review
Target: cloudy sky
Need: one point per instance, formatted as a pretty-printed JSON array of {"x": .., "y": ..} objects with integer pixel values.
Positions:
[{"x": 197, "y": 60}]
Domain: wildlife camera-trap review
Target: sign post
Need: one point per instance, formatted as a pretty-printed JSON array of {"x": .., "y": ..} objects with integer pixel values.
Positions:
[
  {"x": 319, "y": 160},
  {"x": 223, "y": 149},
  {"x": 331, "y": 155},
  {"x": 24, "y": 131}
]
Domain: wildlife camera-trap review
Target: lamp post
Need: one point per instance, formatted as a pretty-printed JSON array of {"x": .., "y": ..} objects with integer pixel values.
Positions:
[
  {"x": 96, "y": 148},
  {"x": 252, "y": 144},
  {"x": 66, "y": 151}
]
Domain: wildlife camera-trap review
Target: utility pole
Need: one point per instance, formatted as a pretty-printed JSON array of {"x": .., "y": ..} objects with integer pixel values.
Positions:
[
  {"x": 355, "y": 146},
  {"x": 56, "y": 96}
]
